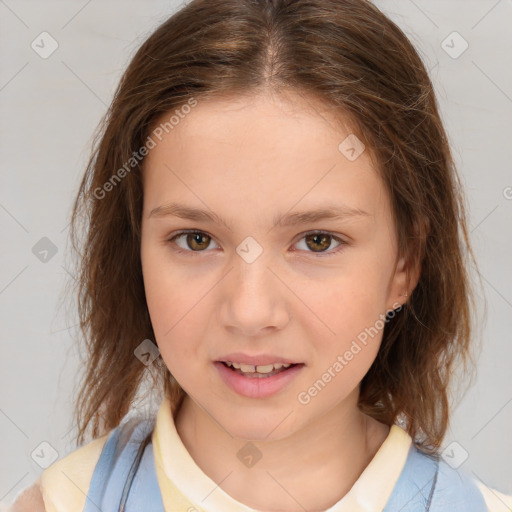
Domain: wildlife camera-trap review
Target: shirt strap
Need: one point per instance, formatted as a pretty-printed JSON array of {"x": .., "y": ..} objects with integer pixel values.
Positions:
[{"x": 124, "y": 473}]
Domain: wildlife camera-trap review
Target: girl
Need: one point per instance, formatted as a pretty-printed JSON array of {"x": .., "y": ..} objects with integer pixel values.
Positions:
[{"x": 276, "y": 236}]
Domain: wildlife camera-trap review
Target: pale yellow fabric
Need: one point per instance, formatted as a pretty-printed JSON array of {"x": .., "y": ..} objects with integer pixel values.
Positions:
[
  {"x": 496, "y": 501},
  {"x": 65, "y": 483},
  {"x": 179, "y": 471},
  {"x": 183, "y": 484}
]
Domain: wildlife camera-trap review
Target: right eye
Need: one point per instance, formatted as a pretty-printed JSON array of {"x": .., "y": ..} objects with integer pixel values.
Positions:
[{"x": 191, "y": 241}]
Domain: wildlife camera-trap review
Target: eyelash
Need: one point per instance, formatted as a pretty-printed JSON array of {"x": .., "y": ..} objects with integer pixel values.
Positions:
[{"x": 304, "y": 235}]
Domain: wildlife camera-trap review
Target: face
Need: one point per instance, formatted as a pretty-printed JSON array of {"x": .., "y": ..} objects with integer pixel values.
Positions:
[{"x": 238, "y": 266}]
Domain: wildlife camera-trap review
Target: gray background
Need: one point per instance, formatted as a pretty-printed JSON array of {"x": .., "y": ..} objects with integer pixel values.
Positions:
[{"x": 49, "y": 110}]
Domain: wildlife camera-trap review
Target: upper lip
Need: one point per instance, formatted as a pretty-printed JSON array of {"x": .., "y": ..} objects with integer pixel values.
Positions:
[{"x": 256, "y": 360}]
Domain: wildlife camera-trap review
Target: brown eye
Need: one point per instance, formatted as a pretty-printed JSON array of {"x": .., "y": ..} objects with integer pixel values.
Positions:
[
  {"x": 315, "y": 242},
  {"x": 194, "y": 241},
  {"x": 318, "y": 242},
  {"x": 198, "y": 241}
]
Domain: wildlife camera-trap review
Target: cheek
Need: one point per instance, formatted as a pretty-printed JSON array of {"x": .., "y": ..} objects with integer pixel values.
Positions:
[
  {"x": 172, "y": 306},
  {"x": 352, "y": 299},
  {"x": 160, "y": 295},
  {"x": 343, "y": 357},
  {"x": 350, "y": 314}
]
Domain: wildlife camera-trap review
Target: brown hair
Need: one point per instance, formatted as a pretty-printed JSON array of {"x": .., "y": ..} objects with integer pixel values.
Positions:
[{"x": 352, "y": 58}]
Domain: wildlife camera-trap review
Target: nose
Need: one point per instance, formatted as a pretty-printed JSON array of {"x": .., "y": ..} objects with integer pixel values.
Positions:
[{"x": 254, "y": 298}]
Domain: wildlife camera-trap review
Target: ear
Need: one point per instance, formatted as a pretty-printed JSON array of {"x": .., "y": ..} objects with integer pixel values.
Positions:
[{"x": 405, "y": 278}]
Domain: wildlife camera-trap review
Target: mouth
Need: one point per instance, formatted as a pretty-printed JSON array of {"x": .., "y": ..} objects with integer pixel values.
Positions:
[
  {"x": 258, "y": 380},
  {"x": 259, "y": 371}
]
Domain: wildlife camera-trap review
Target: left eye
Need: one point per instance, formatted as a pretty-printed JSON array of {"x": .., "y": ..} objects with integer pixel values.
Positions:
[
  {"x": 198, "y": 241},
  {"x": 321, "y": 240}
]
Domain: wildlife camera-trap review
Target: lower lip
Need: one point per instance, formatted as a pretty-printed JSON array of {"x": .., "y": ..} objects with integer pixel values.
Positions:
[{"x": 257, "y": 387}]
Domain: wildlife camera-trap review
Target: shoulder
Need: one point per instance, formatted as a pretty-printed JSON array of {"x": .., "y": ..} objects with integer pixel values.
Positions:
[
  {"x": 456, "y": 487},
  {"x": 428, "y": 482},
  {"x": 29, "y": 499},
  {"x": 64, "y": 485},
  {"x": 495, "y": 500}
]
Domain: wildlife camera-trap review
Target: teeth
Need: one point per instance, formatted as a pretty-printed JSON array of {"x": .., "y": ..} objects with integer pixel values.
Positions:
[
  {"x": 250, "y": 368},
  {"x": 265, "y": 369}
]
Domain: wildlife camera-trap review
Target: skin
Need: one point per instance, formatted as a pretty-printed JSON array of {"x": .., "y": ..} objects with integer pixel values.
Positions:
[
  {"x": 248, "y": 159},
  {"x": 29, "y": 500}
]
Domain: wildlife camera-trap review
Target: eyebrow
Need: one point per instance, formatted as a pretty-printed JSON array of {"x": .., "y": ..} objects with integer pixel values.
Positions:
[{"x": 289, "y": 219}]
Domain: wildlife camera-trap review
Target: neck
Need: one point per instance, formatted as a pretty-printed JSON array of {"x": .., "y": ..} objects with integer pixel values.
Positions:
[{"x": 331, "y": 451}]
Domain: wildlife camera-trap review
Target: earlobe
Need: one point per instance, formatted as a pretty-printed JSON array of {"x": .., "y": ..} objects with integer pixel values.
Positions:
[
  {"x": 403, "y": 299},
  {"x": 413, "y": 273},
  {"x": 410, "y": 263},
  {"x": 406, "y": 278}
]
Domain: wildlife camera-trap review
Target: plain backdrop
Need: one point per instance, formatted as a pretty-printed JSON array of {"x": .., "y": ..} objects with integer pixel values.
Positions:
[{"x": 49, "y": 110}]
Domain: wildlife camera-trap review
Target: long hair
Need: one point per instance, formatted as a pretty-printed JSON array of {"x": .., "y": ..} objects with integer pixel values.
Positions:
[{"x": 351, "y": 57}]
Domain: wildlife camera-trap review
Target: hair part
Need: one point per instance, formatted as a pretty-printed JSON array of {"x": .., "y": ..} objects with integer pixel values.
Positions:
[{"x": 356, "y": 62}]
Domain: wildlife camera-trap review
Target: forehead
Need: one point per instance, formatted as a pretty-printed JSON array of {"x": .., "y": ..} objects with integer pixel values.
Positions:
[
  {"x": 277, "y": 148},
  {"x": 267, "y": 120}
]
